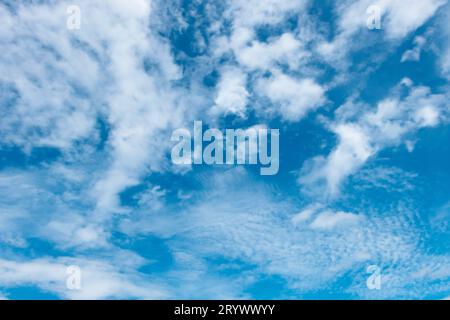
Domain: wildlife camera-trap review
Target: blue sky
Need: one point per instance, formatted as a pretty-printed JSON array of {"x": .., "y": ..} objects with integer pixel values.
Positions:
[{"x": 86, "y": 177}]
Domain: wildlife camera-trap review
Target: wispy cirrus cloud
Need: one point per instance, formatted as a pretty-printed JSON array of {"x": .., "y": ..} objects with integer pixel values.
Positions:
[{"x": 311, "y": 249}]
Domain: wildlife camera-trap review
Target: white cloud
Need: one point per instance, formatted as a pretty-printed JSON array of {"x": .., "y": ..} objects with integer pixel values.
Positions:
[
  {"x": 311, "y": 249},
  {"x": 428, "y": 116},
  {"x": 66, "y": 79},
  {"x": 444, "y": 59},
  {"x": 99, "y": 280},
  {"x": 284, "y": 49},
  {"x": 45, "y": 79},
  {"x": 250, "y": 13},
  {"x": 305, "y": 214},
  {"x": 293, "y": 95},
  {"x": 318, "y": 218},
  {"x": 73, "y": 230},
  {"x": 374, "y": 130},
  {"x": 293, "y": 98},
  {"x": 329, "y": 220},
  {"x": 353, "y": 150},
  {"x": 399, "y": 18},
  {"x": 404, "y": 17},
  {"x": 414, "y": 53},
  {"x": 29, "y": 200},
  {"x": 232, "y": 94},
  {"x": 390, "y": 179}
]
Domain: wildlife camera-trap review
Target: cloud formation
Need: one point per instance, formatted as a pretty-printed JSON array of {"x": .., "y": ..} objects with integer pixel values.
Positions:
[{"x": 86, "y": 117}]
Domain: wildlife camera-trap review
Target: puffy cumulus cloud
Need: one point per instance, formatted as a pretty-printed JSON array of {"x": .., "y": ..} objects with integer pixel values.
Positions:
[
  {"x": 292, "y": 98},
  {"x": 235, "y": 39},
  {"x": 294, "y": 50},
  {"x": 285, "y": 49},
  {"x": 99, "y": 279},
  {"x": 232, "y": 94},
  {"x": 362, "y": 135}
]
